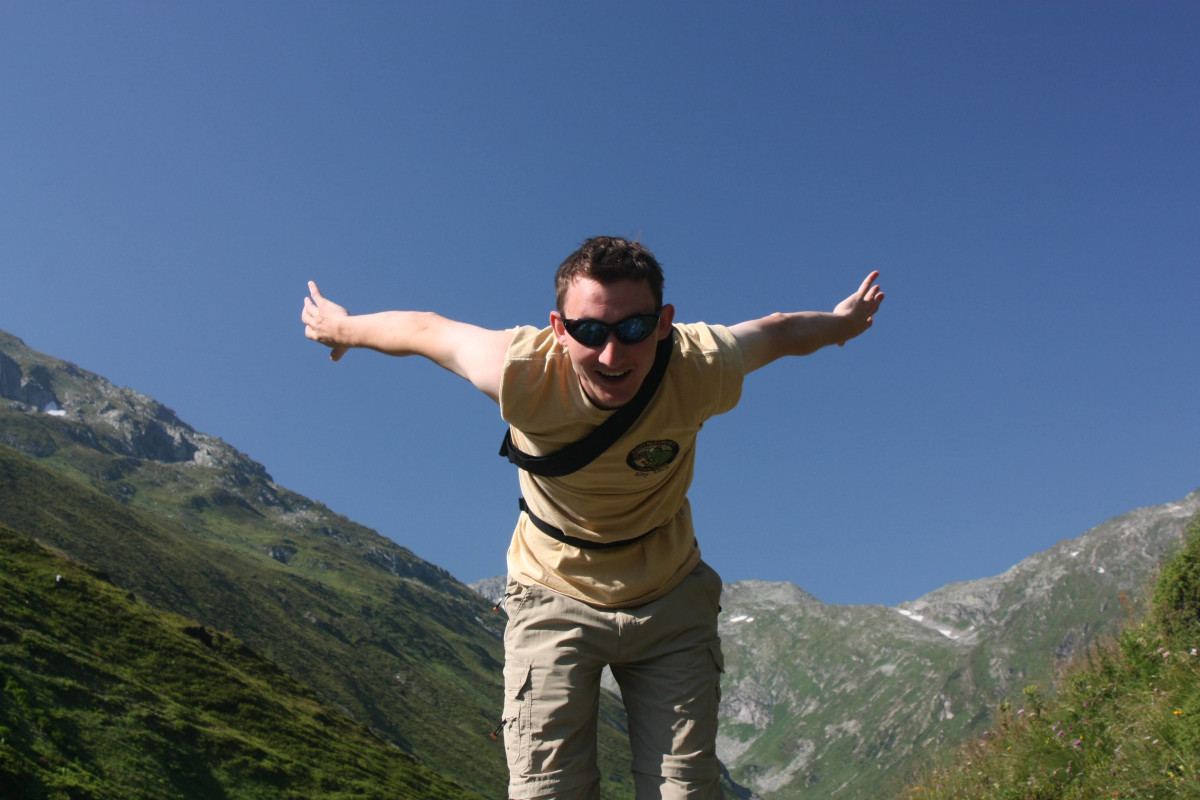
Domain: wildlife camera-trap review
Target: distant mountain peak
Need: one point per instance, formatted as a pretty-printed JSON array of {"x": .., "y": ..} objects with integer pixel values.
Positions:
[
  {"x": 767, "y": 594},
  {"x": 1113, "y": 557},
  {"x": 115, "y": 419}
]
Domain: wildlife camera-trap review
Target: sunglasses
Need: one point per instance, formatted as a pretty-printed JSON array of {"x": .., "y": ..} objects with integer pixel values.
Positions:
[{"x": 594, "y": 333}]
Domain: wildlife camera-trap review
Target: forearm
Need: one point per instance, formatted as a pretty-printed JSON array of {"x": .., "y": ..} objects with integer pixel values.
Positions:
[
  {"x": 395, "y": 333},
  {"x": 802, "y": 332},
  {"x": 468, "y": 351},
  {"x": 796, "y": 333}
]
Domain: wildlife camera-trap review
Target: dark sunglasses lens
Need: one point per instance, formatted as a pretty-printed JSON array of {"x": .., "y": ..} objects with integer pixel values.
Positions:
[
  {"x": 634, "y": 329},
  {"x": 588, "y": 332}
]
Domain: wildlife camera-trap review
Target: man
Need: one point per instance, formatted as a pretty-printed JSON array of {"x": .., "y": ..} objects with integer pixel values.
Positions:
[{"x": 604, "y": 568}]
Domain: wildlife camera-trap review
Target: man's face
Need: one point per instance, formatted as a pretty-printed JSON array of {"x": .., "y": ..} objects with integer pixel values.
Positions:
[{"x": 610, "y": 373}]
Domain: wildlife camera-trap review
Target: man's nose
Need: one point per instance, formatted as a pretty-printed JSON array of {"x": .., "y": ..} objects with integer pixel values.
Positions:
[{"x": 611, "y": 349}]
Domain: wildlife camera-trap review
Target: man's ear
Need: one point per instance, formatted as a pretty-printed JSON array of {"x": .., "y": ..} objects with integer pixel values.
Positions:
[
  {"x": 665, "y": 318},
  {"x": 560, "y": 331}
]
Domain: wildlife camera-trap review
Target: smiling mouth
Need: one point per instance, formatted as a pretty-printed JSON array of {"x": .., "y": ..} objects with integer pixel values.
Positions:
[{"x": 613, "y": 376}]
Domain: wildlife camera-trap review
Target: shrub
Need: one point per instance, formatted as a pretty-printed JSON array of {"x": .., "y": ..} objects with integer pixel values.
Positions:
[{"x": 1176, "y": 596}]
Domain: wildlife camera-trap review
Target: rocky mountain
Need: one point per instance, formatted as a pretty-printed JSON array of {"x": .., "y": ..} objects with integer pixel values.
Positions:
[
  {"x": 819, "y": 701},
  {"x": 107, "y": 418},
  {"x": 835, "y": 701}
]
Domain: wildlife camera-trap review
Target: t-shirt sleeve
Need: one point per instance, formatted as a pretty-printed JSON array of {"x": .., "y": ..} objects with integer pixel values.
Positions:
[
  {"x": 528, "y": 373},
  {"x": 715, "y": 355}
]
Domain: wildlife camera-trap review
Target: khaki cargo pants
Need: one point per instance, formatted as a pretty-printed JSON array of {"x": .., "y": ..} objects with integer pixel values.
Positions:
[{"x": 666, "y": 657}]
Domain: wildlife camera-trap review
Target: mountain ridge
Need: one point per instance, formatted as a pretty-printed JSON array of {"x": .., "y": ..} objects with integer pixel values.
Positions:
[
  {"x": 958, "y": 651},
  {"x": 128, "y": 422}
]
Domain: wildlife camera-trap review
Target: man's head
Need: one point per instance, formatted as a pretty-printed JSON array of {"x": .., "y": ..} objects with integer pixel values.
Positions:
[
  {"x": 616, "y": 287},
  {"x": 608, "y": 259}
]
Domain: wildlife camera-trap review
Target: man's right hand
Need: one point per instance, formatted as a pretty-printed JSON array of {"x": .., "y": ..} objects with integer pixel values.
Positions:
[{"x": 320, "y": 318}]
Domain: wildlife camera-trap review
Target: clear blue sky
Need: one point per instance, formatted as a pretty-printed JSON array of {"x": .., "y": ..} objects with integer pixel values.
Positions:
[{"x": 1025, "y": 175}]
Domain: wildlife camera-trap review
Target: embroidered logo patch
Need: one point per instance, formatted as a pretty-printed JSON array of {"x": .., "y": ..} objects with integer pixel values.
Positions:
[{"x": 652, "y": 456}]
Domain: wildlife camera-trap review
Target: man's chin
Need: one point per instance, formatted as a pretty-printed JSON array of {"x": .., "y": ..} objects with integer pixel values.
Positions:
[{"x": 611, "y": 394}]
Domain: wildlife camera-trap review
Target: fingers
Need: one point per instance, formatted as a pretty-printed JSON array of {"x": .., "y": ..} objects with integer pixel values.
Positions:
[
  {"x": 310, "y": 305},
  {"x": 870, "y": 292},
  {"x": 310, "y": 315},
  {"x": 866, "y": 284}
]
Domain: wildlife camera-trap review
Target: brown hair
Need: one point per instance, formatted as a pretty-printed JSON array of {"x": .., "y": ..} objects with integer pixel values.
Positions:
[{"x": 606, "y": 260}]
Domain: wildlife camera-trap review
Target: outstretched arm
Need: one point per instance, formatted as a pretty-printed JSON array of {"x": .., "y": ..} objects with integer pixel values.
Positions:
[
  {"x": 471, "y": 352},
  {"x": 802, "y": 332}
]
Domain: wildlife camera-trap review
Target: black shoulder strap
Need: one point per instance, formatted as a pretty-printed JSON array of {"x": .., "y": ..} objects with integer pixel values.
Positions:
[{"x": 576, "y": 456}]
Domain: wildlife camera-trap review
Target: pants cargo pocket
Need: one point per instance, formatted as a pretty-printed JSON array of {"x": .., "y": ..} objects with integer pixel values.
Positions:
[
  {"x": 518, "y": 706},
  {"x": 718, "y": 657}
]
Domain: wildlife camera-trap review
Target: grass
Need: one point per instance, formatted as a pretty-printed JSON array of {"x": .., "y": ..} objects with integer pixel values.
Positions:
[
  {"x": 1123, "y": 721},
  {"x": 104, "y": 697}
]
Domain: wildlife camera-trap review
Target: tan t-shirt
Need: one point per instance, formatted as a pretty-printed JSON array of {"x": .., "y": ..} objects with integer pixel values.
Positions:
[{"x": 639, "y": 484}]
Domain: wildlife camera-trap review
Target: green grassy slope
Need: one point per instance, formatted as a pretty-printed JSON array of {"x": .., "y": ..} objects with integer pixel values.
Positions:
[{"x": 102, "y": 696}]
